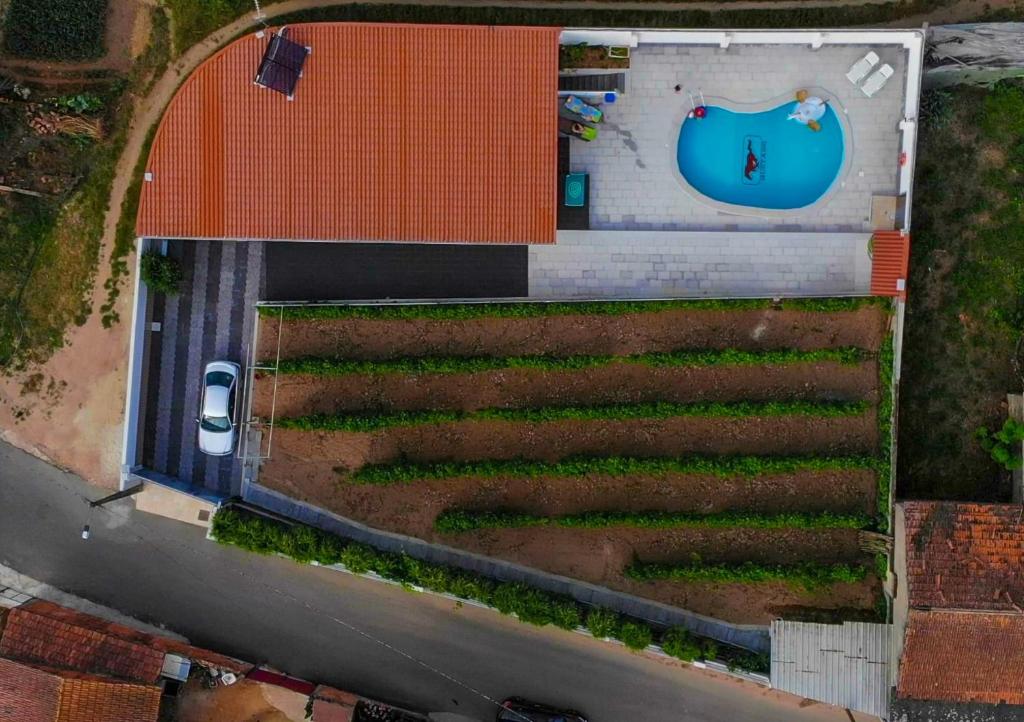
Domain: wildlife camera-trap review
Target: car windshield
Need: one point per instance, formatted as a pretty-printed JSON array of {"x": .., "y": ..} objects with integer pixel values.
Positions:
[
  {"x": 219, "y": 378},
  {"x": 216, "y": 423}
]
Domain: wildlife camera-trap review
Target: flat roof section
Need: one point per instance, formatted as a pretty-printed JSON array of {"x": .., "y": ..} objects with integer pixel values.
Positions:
[{"x": 395, "y": 133}]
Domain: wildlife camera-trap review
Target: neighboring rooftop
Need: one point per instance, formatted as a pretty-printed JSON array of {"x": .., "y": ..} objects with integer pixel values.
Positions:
[
  {"x": 395, "y": 133},
  {"x": 965, "y": 556},
  {"x": 964, "y": 657}
]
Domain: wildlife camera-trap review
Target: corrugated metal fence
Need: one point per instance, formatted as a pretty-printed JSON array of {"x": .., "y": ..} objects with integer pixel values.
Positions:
[{"x": 842, "y": 664}]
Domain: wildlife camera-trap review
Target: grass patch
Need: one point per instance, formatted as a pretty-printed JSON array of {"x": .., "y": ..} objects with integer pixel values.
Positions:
[
  {"x": 466, "y": 311},
  {"x": 62, "y": 30},
  {"x": 457, "y": 364},
  {"x": 453, "y": 521},
  {"x": 885, "y": 431},
  {"x": 367, "y": 422},
  {"x": 809, "y": 575},
  {"x": 965, "y": 312},
  {"x": 195, "y": 19},
  {"x": 722, "y": 466},
  {"x": 595, "y": 16},
  {"x": 533, "y": 606}
]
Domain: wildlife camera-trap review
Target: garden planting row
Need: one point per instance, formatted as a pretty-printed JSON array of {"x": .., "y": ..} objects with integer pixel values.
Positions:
[{"x": 724, "y": 457}]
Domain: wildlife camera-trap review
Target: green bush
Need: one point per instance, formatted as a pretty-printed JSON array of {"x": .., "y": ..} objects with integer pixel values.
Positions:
[
  {"x": 367, "y": 422},
  {"x": 886, "y": 356},
  {"x": 1004, "y": 446},
  {"x": 635, "y": 635},
  {"x": 161, "y": 273},
  {"x": 454, "y": 521},
  {"x": 679, "y": 643},
  {"x": 56, "y": 29},
  {"x": 314, "y": 366},
  {"x": 808, "y": 575},
  {"x": 723, "y": 466},
  {"x": 603, "y": 623},
  {"x": 462, "y": 312}
]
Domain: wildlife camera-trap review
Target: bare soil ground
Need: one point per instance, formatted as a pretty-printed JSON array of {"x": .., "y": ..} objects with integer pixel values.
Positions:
[
  {"x": 575, "y": 334},
  {"x": 311, "y": 456},
  {"x": 525, "y": 388}
]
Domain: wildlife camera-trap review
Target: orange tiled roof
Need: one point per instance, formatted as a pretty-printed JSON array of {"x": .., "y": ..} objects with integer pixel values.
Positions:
[
  {"x": 30, "y": 694},
  {"x": 80, "y": 642},
  {"x": 890, "y": 258},
  {"x": 963, "y": 657},
  {"x": 965, "y": 556},
  {"x": 396, "y": 133}
]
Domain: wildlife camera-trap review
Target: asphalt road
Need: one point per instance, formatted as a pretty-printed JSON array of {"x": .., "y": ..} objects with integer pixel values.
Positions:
[{"x": 374, "y": 639}]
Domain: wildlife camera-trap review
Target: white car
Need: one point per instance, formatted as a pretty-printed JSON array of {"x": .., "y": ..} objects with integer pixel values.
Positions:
[{"x": 217, "y": 410}]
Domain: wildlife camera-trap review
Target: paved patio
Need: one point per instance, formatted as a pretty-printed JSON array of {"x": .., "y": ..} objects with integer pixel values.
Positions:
[
  {"x": 679, "y": 264},
  {"x": 630, "y": 163}
]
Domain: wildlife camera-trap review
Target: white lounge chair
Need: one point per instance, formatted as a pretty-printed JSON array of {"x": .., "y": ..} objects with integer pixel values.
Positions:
[
  {"x": 860, "y": 69},
  {"x": 877, "y": 81}
]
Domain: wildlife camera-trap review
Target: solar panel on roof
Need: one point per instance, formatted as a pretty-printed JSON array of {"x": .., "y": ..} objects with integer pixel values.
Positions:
[{"x": 282, "y": 63}]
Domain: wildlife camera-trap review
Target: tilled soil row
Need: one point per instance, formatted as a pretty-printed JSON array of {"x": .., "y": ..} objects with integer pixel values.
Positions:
[
  {"x": 575, "y": 334},
  {"x": 314, "y": 455},
  {"x": 301, "y": 394},
  {"x": 412, "y": 508}
]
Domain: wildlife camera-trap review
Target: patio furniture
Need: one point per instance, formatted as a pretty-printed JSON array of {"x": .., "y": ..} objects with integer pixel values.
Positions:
[
  {"x": 588, "y": 112},
  {"x": 859, "y": 70},
  {"x": 576, "y": 190},
  {"x": 576, "y": 129},
  {"x": 877, "y": 80}
]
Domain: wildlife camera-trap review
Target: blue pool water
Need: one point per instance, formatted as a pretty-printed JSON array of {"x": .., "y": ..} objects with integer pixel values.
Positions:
[{"x": 792, "y": 165}]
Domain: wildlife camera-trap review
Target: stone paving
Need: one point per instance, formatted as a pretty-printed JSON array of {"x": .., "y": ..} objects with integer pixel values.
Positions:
[
  {"x": 679, "y": 264},
  {"x": 630, "y": 163}
]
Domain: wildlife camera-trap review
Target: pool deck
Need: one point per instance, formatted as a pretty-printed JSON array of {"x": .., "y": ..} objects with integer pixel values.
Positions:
[
  {"x": 680, "y": 264},
  {"x": 631, "y": 163}
]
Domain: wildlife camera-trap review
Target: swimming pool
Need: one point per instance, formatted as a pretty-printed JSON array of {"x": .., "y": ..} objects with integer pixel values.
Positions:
[{"x": 760, "y": 159}]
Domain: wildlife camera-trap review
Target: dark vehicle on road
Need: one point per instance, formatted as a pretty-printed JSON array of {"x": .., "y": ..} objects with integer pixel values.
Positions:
[{"x": 517, "y": 709}]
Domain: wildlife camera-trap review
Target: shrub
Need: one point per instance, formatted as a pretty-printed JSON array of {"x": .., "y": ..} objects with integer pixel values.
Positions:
[
  {"x": 460, "y": 520},
  {"x": 56, "y": 29},
  {"x": 161, "y": 273},
  {"x": 809, "y": 575},
  {"x": 566, "y": 614},
  {"x": 635, "y": 635},
  {"x": 366, "y": 422},
  {"x": 679, "y": 643},
  {"x": 602, "y": 623},
  {"x": 1004, "y": 446},
  {"x": 724, "y": 466},
  {"x": 315, "y": 366},
  {"x": 464, "y": 311}
]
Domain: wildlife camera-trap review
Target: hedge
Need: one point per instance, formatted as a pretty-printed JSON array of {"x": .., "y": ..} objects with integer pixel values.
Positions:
[
  {"x": 809, "y": 575},
  {"x": 595, "y": 16},
  {"x": 56, "y": 29},
  {"x": 722, "y": 466},
  {"x": 367, "y": 422},
  {"x": 305, "y": 544},
  {"x": 314, "y": 366},
  {"x": 466, "y": 311},
  {"x": 886, "y": 358},
  {"x": 454, "y": 521}
]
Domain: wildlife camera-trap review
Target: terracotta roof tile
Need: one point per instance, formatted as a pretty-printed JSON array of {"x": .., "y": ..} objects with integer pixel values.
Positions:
[
  {"x": 965, "y": 556},
  {"x": 396, "y": 133},
  {"x": 78, "y": 642},
  {"x": 33, "y": 694},
  {"x": 890, "y": 257},
  {"x": 963, "y": 657}
]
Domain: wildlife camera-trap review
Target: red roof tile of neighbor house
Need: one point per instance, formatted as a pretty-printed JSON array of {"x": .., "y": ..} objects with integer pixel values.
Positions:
[
  {"x": 395, "y": 133},
  {"x": 80, "y": 642},
  {"x": 963, "y": 657},
  {"x": 31, "y": 694},
  {"x": 965, "y": 556}
]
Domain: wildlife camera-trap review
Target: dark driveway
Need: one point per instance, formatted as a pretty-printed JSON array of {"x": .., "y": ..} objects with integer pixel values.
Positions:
[{"x": 363, "y": 271}]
